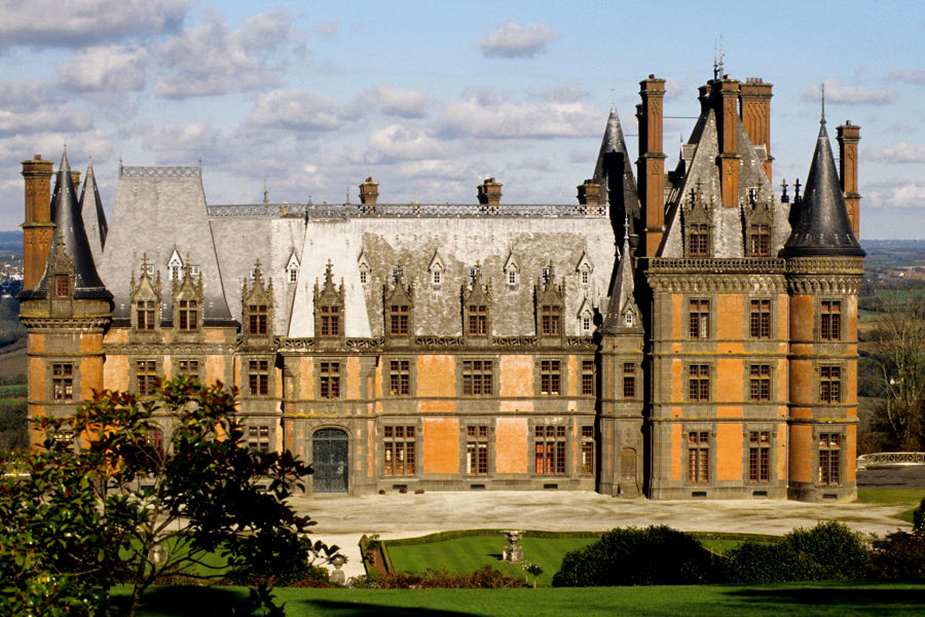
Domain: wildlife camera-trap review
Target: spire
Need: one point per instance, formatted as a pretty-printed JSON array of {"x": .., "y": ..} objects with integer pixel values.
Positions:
[
  {"x": 622, "y": 312},
  {"x": 93, "y": 215},
  {"x": 613, "y": 147},
  {"x": 821, "y": 225}
]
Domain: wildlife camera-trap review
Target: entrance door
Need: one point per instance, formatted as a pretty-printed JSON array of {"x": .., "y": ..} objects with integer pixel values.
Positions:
[
  {"x": 329, "y": 447},
  {"x": 628, "y": 466}
]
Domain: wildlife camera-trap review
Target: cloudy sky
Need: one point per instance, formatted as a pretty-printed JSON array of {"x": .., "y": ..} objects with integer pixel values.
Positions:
[{"x": 431, "y": 97}]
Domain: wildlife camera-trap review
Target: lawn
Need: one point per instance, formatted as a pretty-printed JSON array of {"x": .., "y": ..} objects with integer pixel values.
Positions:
[{"x": 835, "y": 598}]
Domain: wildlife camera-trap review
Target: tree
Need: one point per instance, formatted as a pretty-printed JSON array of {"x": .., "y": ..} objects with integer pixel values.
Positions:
[{"x": 152, "y": 489}]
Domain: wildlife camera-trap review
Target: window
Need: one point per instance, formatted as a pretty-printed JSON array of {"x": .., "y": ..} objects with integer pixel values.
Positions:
[
  {"x": 398, "y": 320},
  {"x": 477, "y": 377},
  {"x": 330, "y": 321},
  {"x": 546, "y": 275},
  {"x": 154, "y": 439},
  {"x": 699, "y": 240},
  {"x": 294, "y": 275},
  {"x": 587, "y": 378},
  {"x": 145, "y": 377},
  {"x": 585, "y": 276},
  {"x": 700, "y": 319},
  {"x": 628, "y": 319},
  {"x": 188, "y": 367},
  {"x": 759, "y": 240},
  {"x": 512, "y": 277},
  {"x": 698, "y": 457},
  {"x": 144, "y": 311},
  {"x": 62, "y": 285},
  {"x": 189, "y": 314},
  {"x": 398, "y": 451},
  {"x": 478, "y": 320},
  {"x": 330, "y": 380},
  {"x": 587, "y": 450},
  {"x": 550, "y": 450},
  {"x": 550, "y": 377},
  {"x": 699, "y": 383},
  {"x": 436, "y": 277},
  {"x": 829, "y": 458},
  {"x": 550, "y": 320},
  {"x": 400, "y": 377},
  {"x": 830, "y": 322},
  {"x": 195, "y": 270},
  {"x": 585, "y": 323},
  {"x": 173, "y": 272},
  {"x": 760, "y": 319},
  {"x": 257, "y": 319},
  {"x": 258, "y": 377},
  {"x": 759, "y": 456},
  {"x": 477, "y": 450},
  {"x": 830, "y": 384},
  {"x": 364, "y": 276},
  {"x": 258, "y": 438},
  {"x": 62, "y": 382},
  {"x": 629, "y": 380},
  {"x": 759, "y": 384}
]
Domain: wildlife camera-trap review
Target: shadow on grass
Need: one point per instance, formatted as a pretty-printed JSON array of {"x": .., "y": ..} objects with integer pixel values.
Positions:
[
  {"x": 351, "y": 609},
  {"x": 180, "y": 601},
  {"x": 872, "y": 599}
]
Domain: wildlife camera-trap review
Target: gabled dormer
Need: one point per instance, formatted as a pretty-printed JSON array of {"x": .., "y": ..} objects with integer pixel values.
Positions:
[
  {"x": 550, "y": 307},
  {"x": 476, "y": 308},
  {"x": 292, "y": 269},
  {"x": 187, "y": 303},
  {"x": 757, "y": 225},
  {"x": 146, "y": 301},
  {"x": 175, "y": 266},
  {"x": 584, "y": 268},
  {"x": 329, "y": 310},
  {"x": 623, "y": 316},
  {"x": 257, "y": 308},
  {"x": 511, "y": 270},
  {"x": 697, "y": 223},
  {"x": 364, "y": 268},
  {"x": 436, "y": 269},
  {"x": 585, "y": 318},
  {"x": 398, "y": 309}
]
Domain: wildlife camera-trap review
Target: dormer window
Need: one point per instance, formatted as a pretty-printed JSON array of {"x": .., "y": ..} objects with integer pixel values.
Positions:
[
  {"x": 474, "y": 272},
  {"x": 149, "y": 269},
  {"x": 698, "y": 240},
  {"x": 292, "y": 269},
  {"x": 584, "y": 269},
  {"x": 397, "y": 273},
  {"x": 253, "y": 273},
  {"x": 512, "y": 277},
  {"x": 436, "y": 269},
  {"x": 364, "y": 276},
  {"x": 293, "y": 275},
  {"x": 257, "y": 319},
  {"x": 436, "y": 277},
  {"x": 62, "y": 285},
  {"x": 585, "y": 323},
  {"x": 189, "y": 315},
  {"x": 174, "y": 267},
  {"x": 145, "y": 314},
  {"x": 195, "y": 270},
  {"x": 545, "y": 275},
  {"x": 628, "y": 319},
  {"x": 585, "y": 277},
  {"x": 510, "y": 270},
  {"x": 330, "y": 321}
]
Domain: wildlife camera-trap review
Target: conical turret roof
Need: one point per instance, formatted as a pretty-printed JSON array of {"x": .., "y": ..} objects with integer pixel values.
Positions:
[
  {"x": 93, "y": 215},
  {"x": 613, "y": 142},
  {"x": 821, "y": 225}
]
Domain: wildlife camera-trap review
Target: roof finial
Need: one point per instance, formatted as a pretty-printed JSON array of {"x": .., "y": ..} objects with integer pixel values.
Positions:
[{"x": 822, "y": 120}]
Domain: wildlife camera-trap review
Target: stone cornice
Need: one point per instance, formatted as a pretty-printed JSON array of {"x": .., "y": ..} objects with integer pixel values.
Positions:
[
  {"x": 699, "y": 282},
  {"x": 83, "y": 324},
  {"x": 693, "y": 265},
  {"x": 168, "y": 349}
]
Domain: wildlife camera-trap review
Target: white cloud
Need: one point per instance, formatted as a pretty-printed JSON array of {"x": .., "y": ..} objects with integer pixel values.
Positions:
[
  {"x": 105, "y": 68},
  {"x": 563, "y": 93},
  {"x": 395, "y": 143},
  {"x": 899, "y": 194},
  {"x": 188, "y": 140},
  {"x": 394, "y": 101},
  {"x": 43, "y": 119},
  {"x": 511, "y": 40},
  {"x": 836, "y": 92},
  {"x": 328, "y": 28},
  {"x": 55, "y": 23},
  {"x": 901, "y": 152},
  {"x": 301, "y": 111},
  {"x": 909, "y": 77},
  {"x": 212, "y": 59},
  {"x": 485, "y": 116}
]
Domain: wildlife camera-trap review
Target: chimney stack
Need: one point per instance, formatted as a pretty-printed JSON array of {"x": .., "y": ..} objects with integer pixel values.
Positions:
[
  {"x": 725, "y": 101},
  {"x": 848, "y": 136},
  {"x": 490, "y": 192},
  {"x": 369, "y": 192},
  {"x": 37, "y": 228},
  {"x": 589, "y": 193},
  {"x": 651, "y": 164},
  {"x": 755, "y": 111}
]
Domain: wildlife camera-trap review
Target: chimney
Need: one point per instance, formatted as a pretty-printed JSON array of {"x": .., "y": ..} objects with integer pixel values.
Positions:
[
  {"x": 75, "y": 178},
  {"x": 490, "y": 192},
  {"x": 589, "y": 193},
  {"x": 37, "y": 228},
  {"x": 651, "y": 164},
  {"x": 755, "y": 111},
  {"x": 848, "y": 136},
  {"x": 369, "y": 192},
  {"x": 725, "y": 101}
]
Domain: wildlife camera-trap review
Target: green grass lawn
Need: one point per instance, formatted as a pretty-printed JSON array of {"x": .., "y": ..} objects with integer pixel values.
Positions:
[
  {"x": 14, "y": 391},
  {"x": 891, "y": 496},
  {"x": 773, "y": 600}
]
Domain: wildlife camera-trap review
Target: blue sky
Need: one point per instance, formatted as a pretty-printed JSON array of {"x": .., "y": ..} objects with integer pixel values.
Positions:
[{"x": 429, "y": 98}]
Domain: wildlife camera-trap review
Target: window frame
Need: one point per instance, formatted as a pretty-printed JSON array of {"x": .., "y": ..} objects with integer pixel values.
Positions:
[
  {"x": 759, "y": 448},
  {"x": 478, "y": 450},
  {"x": 329, "y": 379},
  {"x": 830, "y": 320},
  {"x": 258, "y": 377},
  {"x": 399, "y": 441},
  {"x": 63, "y": 381},
  {"x": 550, "y": 450},
  {"x": 698, "y": 457},
  {"x": 146, "y": 376},
  {"x": 699, "y": 376},
  {"x": 477, "y": 379},
  {"x": 760, "y": 320},
  {"x": 698, "y": 318},
  {"x": 400, "y": 377}
]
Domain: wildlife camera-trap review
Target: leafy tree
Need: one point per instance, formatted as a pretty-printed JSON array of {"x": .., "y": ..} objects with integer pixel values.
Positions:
[{"x": 154, "y": 488}]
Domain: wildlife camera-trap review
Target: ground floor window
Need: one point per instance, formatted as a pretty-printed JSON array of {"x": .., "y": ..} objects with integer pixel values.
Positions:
[
  {"x": 398, "y": 451},
  {"x": 829, "y": 458},
  {"x": 477, "y": 450},
  {"x": 698, "y": 457},
  {"x": 258, "y": 438},
  {"x": 587, "y": 450},
  {"x": 550, "y": 450},
  {"x": 759, "y": 456}
]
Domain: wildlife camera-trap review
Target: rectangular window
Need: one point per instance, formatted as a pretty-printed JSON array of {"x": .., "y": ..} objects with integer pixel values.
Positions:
[
  {"x": 144, "y": 311},
  {"x": 189, "y": 315},
  {"x": 699, "y": 240},
  {"x": 188, "y": 367},
  {"x": 398, "y": 320},
  {"x": 330, "y": 380},
  {"x": 759, "y": 240},
  {"x": 587, "y": 378},
  {"x": 477, "y": 450},
  {"x": 699, "y": 319},
  {"x": 698, "y": 457},
  {"x": 511, "y": 277},
  {"x": 398, "y": 451},
  {"x": 145, "y": 377},
  {"x": 550, "y": 450},
  {"x": 62, "y": 285},
  {"x": 829, "y": 458},
  {"x": 478, "y": 320},
  {"x": 759, "y": 456},
  {"x": 258, "y": 376},
  {"x": 629, "y": 380},
  {"x": 551, "y": 320},
  {"x": 257, "y": 320},
  {"x": 62, "y": 382},
  {"x": 258, "y": 438},
  {"x": 436, "y": 277},
  {"x": 759, "y": 382},
  {"x": 830, "y": 320},
  {"x": 830, "y": 384},
  {"x": 330, "y": 321},
  {"x": 760, "y": 319},
  {"x": 477, "y": 377},
  {"x": 400, "y": 377},
  {"x": 550, "y": 377},
  {"x": 587, "y": 450},
  {"x": 293, "y": 275},
  {"x": 699, "y": 383}
]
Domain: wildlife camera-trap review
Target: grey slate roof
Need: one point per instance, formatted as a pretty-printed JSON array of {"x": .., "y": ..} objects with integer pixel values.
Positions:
[
  {"x": 821, "y": 223},
  {"x": 93, "y": 215},
  {"x": 622, "y": 298}
]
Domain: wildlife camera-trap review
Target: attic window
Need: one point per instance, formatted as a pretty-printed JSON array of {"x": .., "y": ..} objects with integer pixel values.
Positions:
[
  {"x": 586, "y": 323},
  {"x": 293, "y": 274},
  {"x": 194, "y": 270},
  {"x": 364, "y": 275},
  {"x": 585, "y": 276},
  {"x": 149, "y": 268},
  {"x": 253, "y": 273},
  {"x": 62, "y": 285},
  {"x": 628, "y": 320},
  {"x": 512, "y": 277},
  {"x": 175, "y": 267},
  {"x": 436, "y": 277}
]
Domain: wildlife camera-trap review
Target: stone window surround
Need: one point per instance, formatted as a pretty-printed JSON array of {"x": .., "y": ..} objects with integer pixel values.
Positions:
[
  {"x": 74, "y": 377},
  {"x": 464, "y": 440},
  {"x": 840, "y": 319},
  {"x": 818, "y": 431},
  {"x": 842, "y": 365},
  {"x": 772, "y": 362},
  {"x": 415, "y": 423},
  {"x": 771, "y": 430},
  {"x": 710, "y": 447},
  {"x": 460, "y": 371},
  {"x": 747, "y": 334},
  {"x": 412, "y": 376},
  {"x": 685, "y": 379},
  {"x": 562, "y": 373},
  {"x": 246, "y": 375},
  {"x": 340, "y": 376}
]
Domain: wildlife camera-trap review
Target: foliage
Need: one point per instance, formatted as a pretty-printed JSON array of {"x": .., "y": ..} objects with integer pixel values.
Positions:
[
  {"x": 753, "y": 562},
  {"x": 14, "y": 433},
  {"x": 483, "y": 578},
  {"x": 900, "y": 556},
  {"x": 918, "y": 519},
  {"x": 838, "y": 552},
  {"x": 533, "y": 568},
  {"x": 656, "y": 555},
  {"x": 126, "y": 506}
]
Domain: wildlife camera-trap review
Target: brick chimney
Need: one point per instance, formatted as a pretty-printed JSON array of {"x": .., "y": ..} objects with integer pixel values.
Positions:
[
  {"x": 37, "y": 230},
  {"x": 725, "y": 100},
  {"x": 848, "y": 136},
  {"x": 589, "y": 193},
  {"x": 651, "y": 163},
  {"x": 369, "y": 192},
  {"x": 490, "y": 192},
  {"x": 755, "y": 111}
]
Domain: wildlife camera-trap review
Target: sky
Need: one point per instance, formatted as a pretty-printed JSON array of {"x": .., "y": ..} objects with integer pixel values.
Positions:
[{"x": 430, "y": 98}]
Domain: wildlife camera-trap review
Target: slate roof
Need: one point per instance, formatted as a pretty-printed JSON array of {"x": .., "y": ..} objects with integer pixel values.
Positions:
[
  {"x": 622, "y": 297},
  {"x": 93, "y": 215},
  {"x": 612, "y": 143}
]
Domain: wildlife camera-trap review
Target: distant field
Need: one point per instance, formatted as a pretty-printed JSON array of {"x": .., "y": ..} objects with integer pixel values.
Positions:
[{"x": 13, "y": 365}]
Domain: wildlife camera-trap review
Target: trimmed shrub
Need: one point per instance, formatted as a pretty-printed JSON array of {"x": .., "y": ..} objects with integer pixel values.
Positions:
[
  {"x": 753, "y": 562},
  {"x": 656, "y": 555},
  {"x": 839, "y": 552},
  {"x": 483, "y": 578},
  {"x": 900, "y": 556}
]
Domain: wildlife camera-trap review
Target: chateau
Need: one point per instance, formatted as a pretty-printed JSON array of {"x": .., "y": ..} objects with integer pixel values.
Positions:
[{"x": 681, "y": 334}]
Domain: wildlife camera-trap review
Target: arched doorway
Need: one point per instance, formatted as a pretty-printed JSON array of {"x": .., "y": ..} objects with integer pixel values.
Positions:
[{"x": 329, "y": 460}]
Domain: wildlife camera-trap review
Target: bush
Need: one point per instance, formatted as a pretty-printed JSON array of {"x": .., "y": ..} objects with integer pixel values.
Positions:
[
  {"x": 753, "y": 562},
  {"x": 839, "y": 552},
  {"x": 483, "y": 578},
  {"x": 900, "y": 556},
  {"x": 918, "y": 519},
  {"x": 656, "y": 555}
]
